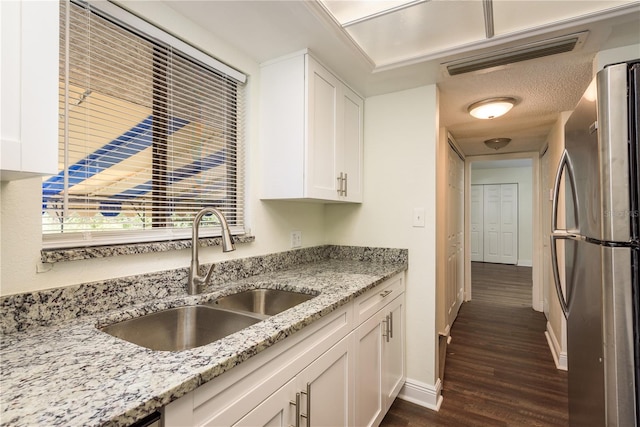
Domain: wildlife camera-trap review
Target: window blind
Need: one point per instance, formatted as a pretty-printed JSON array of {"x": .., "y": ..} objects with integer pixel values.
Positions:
[{"x": 148, "y": 136}]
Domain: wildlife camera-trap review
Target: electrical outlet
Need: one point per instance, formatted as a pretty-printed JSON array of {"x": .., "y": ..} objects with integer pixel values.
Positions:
[{"x": 296, "y": 239}]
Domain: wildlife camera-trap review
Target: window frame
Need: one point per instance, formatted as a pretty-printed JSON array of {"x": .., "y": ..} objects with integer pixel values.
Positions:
[{"x": 148, "y": 31}]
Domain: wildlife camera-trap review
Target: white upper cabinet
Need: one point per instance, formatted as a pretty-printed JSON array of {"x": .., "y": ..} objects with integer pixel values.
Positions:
[
  {"x": 310, "y": 132},
  {"x": 351, "y": 147},
  {"x": 29, "y": 89}
]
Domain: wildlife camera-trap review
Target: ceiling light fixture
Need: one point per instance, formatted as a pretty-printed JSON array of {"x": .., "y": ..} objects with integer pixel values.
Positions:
[
  {"x": 491, "y": 108},
  {"x": 497, "y": 143}
]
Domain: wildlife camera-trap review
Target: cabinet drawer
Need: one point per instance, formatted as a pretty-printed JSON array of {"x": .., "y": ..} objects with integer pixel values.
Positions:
[{"x": 369, "y": 303}]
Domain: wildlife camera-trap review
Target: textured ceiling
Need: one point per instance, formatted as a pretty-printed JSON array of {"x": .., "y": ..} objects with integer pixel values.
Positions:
[
  {"x": 543, "y": 88},
  {"x": 403, "y": 56}
]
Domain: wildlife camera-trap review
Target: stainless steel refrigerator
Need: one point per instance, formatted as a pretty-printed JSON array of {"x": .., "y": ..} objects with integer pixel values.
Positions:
[{"x": 600, "y": 241}]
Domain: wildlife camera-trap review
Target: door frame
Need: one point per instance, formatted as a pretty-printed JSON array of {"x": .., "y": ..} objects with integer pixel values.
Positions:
[{"x": 537, "y": 291}]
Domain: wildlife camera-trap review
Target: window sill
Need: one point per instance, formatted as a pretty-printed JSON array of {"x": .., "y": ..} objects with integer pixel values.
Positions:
[{"x": 75, "y": 254}]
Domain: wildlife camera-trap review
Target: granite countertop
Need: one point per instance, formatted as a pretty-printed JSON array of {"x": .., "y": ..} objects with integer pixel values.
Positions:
[{"x": 70, "y": 373}]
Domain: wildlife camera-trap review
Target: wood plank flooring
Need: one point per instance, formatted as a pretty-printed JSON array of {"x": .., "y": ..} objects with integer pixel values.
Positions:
[{"x": 499, "y": 370}]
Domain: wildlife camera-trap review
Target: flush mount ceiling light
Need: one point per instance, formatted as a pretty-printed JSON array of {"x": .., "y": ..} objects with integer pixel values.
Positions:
[
  {"x": 497, "y": 143},
  {"x": 491, "y": 108}
]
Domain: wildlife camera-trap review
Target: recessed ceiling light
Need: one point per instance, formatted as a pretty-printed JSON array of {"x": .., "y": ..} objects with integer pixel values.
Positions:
[
  {"x": 491, "y": 108},
  {"x": 497, "y": 143}
]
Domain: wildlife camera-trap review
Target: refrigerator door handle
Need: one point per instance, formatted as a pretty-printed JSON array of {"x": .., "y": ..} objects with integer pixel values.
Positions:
[
  {"x": 558, "y": 234},
  {"x": 565, "y": 163},
  {"x": 564, "y": 301}
]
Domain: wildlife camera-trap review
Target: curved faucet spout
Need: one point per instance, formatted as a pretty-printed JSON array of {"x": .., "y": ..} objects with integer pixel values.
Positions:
[{"x": 195, "y": 279}]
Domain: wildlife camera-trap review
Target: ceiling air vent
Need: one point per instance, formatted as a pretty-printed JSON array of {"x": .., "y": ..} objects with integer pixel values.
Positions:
[{"x": 516, "y": 54}]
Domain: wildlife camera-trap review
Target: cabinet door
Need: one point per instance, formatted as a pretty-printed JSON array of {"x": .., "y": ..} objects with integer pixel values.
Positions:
[
  {"x": 29, "y": 88},
  {"x": 327, "y": 388},
  {"x": 368, "y": 371},
  {"x": 322, "y": 126},
  {"x": 393, "y": 352},
  {"x": 278, "y": 410},
  {"x": 350, "y": 162}
]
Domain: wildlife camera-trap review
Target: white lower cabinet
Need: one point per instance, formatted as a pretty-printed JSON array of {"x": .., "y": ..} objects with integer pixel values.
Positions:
[
  {"x": 278, "y": 410},
  {"x": 368, "y": 379},
  {"x": 379, "y": 362},
  {"x": 319, "y": 396},
  {"x": 338, "y": 371},
  {"x": 393, "y": 352}
]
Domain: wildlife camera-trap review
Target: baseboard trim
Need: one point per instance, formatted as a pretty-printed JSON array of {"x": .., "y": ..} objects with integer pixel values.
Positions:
[
  {"x": 525, "y": 263},
  {"x": 559, "y": 356},
  {"x": 426, "y": 395}
]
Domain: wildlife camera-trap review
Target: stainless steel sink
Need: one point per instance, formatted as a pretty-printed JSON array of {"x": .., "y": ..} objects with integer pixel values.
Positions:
[
  {"x": 180, "y": 328},
  {"x": 262, "y": 301}
]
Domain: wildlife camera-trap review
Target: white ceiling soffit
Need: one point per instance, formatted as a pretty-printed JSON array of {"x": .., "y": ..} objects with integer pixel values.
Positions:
[{"x": 397, "y": 33}]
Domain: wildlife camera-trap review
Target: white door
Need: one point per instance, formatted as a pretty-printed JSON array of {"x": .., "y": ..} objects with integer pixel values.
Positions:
[
  {"x": 477, "y": 223},
  {"x": 461, "y": 233},
  {"x": 454, "y": 281},
  {"x": 500, "y": 223},
  {"x": 491, "y": 198},
  {"x": 508, "y": 224}
]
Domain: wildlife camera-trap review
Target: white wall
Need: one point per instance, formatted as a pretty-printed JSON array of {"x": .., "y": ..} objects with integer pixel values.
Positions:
[
  {"x": 523, "y": 177},
  {"x": 401, "y": 132},
  {"x": 556, "y": 323},
  {"x": 270, "y": 222}
]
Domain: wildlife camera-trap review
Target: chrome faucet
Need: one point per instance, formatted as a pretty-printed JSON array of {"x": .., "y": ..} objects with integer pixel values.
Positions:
[{"x": 195, "y": 280}]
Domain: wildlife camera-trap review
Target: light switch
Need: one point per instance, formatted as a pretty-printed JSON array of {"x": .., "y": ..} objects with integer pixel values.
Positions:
[{"x": 418, "y": 217}]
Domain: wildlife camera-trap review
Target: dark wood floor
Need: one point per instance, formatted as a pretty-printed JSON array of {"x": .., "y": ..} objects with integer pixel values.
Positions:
[{"x": 499, "y": 370}]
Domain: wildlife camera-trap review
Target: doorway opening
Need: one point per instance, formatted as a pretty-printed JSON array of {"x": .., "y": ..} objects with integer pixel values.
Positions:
[{"x": 502, "y": 203}]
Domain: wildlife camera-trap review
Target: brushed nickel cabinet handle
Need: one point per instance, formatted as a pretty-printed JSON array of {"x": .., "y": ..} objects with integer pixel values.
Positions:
[
  {"x": 385, "y": 333},
  {"x": 297, "y": 405},
  {"x": 307, "y": 416},
  {"x": 346, "y": 182}
]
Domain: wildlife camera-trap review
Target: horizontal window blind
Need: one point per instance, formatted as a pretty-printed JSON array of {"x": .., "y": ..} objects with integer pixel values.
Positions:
[{"x": 148, "y": 136}]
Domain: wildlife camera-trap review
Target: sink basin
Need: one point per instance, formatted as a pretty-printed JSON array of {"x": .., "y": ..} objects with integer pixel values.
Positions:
[
  {"x": 262, "y": 301},
  {"x": 180, "y": 328}
]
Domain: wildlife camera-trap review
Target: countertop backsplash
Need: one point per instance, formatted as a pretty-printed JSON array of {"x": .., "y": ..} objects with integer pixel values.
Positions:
[{"x": 41, "y": 308}]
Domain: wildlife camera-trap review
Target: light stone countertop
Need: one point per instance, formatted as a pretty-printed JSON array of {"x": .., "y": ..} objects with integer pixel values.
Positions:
[{"x": 71, "y": 374}]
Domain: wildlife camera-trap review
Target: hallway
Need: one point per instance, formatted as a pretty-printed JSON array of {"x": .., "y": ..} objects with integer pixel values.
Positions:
[{"x": 499, "y": 370}]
